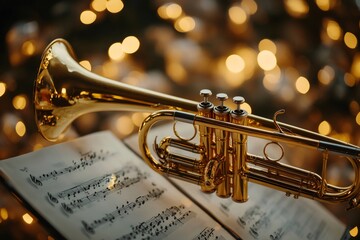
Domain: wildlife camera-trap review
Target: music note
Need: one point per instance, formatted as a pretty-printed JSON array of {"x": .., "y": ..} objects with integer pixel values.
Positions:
[
  {"x": 161, "y": 224},
  {"x": 122, "y": 211},
  {"x": 85, "y": 160}
]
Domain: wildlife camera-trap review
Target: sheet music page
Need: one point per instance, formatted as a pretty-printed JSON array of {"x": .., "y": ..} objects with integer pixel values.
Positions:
[
  {"x": 268, "y": 214},
  {"x": 95, "y": 188}
]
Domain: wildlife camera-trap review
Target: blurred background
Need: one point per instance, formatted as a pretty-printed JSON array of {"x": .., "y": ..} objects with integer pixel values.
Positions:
[{"x": 299, "y": 55}]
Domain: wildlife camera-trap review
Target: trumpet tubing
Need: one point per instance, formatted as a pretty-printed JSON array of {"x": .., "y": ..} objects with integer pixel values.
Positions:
[{"x": 64, "y": 90}]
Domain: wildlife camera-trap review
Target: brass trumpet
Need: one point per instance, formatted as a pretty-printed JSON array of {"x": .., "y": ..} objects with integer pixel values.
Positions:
[{"x": 64, "y": 90}]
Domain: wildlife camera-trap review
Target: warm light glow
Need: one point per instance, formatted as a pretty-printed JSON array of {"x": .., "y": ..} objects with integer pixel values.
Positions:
[
  {"x": 350, "y": 40},
  {"x": 176, "y": 72},
  {"x": 20, "y": 128},
  {"x": 87, "y": 17},
  {"x": 124, "y": 125},
  {"x": 116, "y": 52},
  {"x": 99, "y": 5},
  {"x": 173, "y": 10},
  {"x": 4, "y": 214},
  {"x": 110, "y": 69},
  {"x": 114, "y": 6},
  {"x": 2, "y": 88},
  {"x": 325, "y": 5},
  {"x": 324, "y": 128},
  {"x": 302, "y": 85},
  {"x": 357, "y": 119},
  {"x": 185, "y": 24},
  {"x": 19, "y": 102},
  {"x": 86, "y": 64},
  {"x": 354, "y": 231},
  {"x": 249, "y": 6},
  {"x": 266, "y": 60},
  {"x": 28, "y": 48},
  {"x": 326, "y": 75},
  {"x": 271, "y": 79},
  {"x": 112, "y": 181},
  {"x": 237, "y": 15},
  {"x": 130, "y": 44},
  {"x": 267, "y": 44},
  {"x": 246, "y": 107},
  {"x": 349, "y": 80},
  {"x": 27, "y": 218},
  {"x": 333, "y": 30},
  {"x": 296, "y": 8},
  {"x": 355, "y": 67},
  {"x": 235, "y": 63},
  {"x": 137, "y": 118}
]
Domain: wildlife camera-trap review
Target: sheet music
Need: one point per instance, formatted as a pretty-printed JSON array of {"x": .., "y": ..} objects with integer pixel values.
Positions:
[
  {"x": 268, "y": 214},
  {"x": 96, "y": 188}
]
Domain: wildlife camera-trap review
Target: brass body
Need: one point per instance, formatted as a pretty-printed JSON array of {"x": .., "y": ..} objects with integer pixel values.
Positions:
[{"x": 64, "y": 90}]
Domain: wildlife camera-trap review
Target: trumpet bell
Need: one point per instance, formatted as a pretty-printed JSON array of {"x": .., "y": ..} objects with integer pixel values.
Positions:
[{"x": 64, "y": 90}]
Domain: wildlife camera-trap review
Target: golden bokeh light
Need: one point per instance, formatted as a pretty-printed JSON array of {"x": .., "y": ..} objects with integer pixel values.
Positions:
[
  {"x": 246, "y": 107},
  {"x": 19, "y": 102},
  {"x": 350, "y": 40},
  {"x": 27, "y": 218},
  {"x": 249, "y": 6},
  {"x": 99, "y": 5},
  {"x": 302, "y": 85},
  {"x": 235, "y": 63},
  {"x": 130, "y": 44},
  {"x": 86, "y": 64},
  {"x": 326, "y": 75},
  {"x": 110, "y": 69},
  {"x": 87, "y": 17},
  {"x": 271, "y": 80},
  {"x": 124, "y": 125},
  {"x": 267, "y": 44},
  {"x": 185, "y": 24},
  {"x": 237, "y": 15},
  {"x": 349, "y": 79},
  {"x": 170, "y": 11},
  {"x": 333, "y": 29},
  {"x": 4, "y": 214},
  {"x": 20, "y": 128},
  {"x": 325, "y": 5},
  {"x": 114, "y": 6},
  {"x": 296, "y": 8},
  {"x": 173, "y": 10},
  {"x": 28, "y": 48},
  {"x": 116, "y": 52},
  {"x": 357, "y": 118},
  {"x": 176, "y": 72},
  {"x": 324, "y": 128},
  {"x": 266, "y": 60},
  {"x": 2, "y": 88},
  {"x": 355, "y": 67}
]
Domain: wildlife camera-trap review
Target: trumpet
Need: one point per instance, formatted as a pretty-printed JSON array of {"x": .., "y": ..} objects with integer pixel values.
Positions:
[{"x": 64, "y": 90}]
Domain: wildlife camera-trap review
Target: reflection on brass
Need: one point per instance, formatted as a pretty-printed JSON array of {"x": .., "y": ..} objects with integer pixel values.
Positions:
[{"x": 64, "y": 90}]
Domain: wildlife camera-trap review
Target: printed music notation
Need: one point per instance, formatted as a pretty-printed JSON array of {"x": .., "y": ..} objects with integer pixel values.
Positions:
[
  {"x": 160, "y": 225},
  {"x": 208, "y": 233},
  {"x": 97, "y": 188},
  {"x": 103, "y": 194},
  {"x": 122, "y": 211},
  {"x": 85, "y": 160}
]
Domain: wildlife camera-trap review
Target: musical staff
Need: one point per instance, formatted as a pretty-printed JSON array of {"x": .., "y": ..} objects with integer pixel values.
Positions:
[
  {"x": 161, "y": 225},
  {"x": 97, "y": 188},
  {"x": 207, "y": 234},
  {"x": 122, "y": 211},
  {"x": 86, "y": 159}
]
